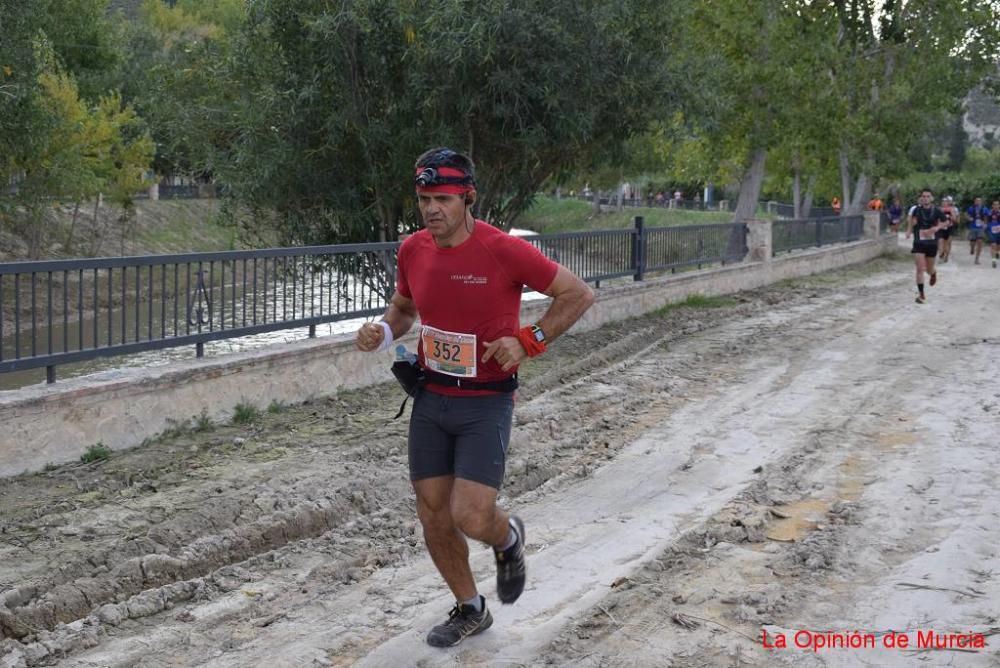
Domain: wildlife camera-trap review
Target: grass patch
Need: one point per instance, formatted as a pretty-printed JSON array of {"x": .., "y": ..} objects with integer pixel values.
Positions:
[
  {"x": 245, "y": 414},
  {"x": 698, "y": 300},
  {"x": 203, "y": 422},
  {"x": 548, "y": 215},
  {"x": 276, "y": 407},
  {"x": 182, "y": 226},
  {"x": 50, "y": 467},
  {"x": 96, "y": 453}
]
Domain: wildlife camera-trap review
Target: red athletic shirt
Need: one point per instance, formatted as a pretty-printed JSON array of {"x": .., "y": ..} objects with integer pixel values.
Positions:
[{"x": 473, "y": 288}]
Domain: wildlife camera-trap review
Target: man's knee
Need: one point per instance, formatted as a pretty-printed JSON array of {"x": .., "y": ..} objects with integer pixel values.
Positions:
[
  {"x": 475, "y": 521},
  {"x": 474, "y": 508},
  {"x": 434, "y": 511}
]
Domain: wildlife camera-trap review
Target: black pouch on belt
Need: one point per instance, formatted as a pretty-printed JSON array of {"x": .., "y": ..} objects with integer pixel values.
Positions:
[{"x": 409, "y": 375}]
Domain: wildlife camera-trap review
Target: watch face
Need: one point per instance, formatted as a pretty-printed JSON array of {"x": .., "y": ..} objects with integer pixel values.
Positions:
[{"x": 539, "y": 334}]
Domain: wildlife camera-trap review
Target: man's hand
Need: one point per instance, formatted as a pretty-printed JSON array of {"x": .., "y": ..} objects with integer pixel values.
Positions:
[
  {"x": 507, "y": 351},
  {"x": 369, "y": 337}
]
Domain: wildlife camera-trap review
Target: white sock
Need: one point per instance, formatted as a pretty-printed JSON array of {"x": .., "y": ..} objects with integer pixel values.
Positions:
[
  {"x": 511, "y": 539},
  {"x": 476, "y": 603}
]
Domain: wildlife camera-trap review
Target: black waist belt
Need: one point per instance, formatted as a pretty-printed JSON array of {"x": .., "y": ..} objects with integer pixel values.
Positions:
[{"x": 434, "y": 378}]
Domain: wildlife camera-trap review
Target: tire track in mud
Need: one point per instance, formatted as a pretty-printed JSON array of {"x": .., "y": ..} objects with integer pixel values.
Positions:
[
  {"x": 322, "y": 476},
  {"x": 822, "y": 539}
]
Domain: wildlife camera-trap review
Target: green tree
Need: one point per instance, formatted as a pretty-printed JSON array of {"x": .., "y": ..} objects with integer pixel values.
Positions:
[
  {"x": 898, "y": 68},
  {"x": 338, "y": 102},
  {"x": 177, "y": 79}
]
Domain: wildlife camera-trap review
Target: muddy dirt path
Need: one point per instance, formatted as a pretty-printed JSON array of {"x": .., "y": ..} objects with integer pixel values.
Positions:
[{"x": 782, "y": 461}]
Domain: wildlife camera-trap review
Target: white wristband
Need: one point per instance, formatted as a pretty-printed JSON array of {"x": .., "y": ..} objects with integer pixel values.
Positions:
[{"x": 387, "y": 337}]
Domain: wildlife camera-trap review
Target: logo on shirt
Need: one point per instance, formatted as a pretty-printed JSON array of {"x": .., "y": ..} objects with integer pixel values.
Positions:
[{"x": 469, "y": 279}]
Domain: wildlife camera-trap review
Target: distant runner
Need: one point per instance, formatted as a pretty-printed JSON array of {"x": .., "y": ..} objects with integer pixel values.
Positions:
[
  {"x": 895, "y": 215},
  {"x": 944, "y": 234},
  {"x": 977, "y": 215},
  {"x": 927, "y": 220},
  {"x": 993, "y": 232}
]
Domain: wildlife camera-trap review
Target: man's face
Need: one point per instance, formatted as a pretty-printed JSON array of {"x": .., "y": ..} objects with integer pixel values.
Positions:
[
  {"x": 926, "y": 198},
  {"x": 978, "y": 201},
  {"x": 996, "y": 205},
  {"x": 443, "y": 213}
]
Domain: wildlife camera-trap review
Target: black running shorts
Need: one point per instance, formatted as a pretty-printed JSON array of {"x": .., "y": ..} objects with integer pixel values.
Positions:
[
  {"x": 466, "y": 437},
  {"x": 928, "y": 248}
]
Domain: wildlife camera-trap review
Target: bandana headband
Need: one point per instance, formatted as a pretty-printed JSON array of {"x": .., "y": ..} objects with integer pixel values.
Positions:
[{"x": 443, "y": 180}]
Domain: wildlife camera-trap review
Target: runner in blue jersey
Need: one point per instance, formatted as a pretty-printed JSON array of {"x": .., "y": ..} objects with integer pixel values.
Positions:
[
  {"x": 977, "y": 215},
  {"x": 895, "y": 214},
  {"x": 993, "y": 232}
]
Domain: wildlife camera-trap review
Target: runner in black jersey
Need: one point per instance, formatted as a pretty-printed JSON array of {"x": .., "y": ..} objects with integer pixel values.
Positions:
[
  {"x": 950, "y": 212},
  {"x": 926, "y": 219}
]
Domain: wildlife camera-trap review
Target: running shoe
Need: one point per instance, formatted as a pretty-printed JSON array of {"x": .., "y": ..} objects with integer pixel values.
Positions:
[
  {"x": 510, "y": 565},
  {"x": 921, "y": 299},
  {"x": 934, "y": 278},
  {"x": 463, "y": 621}
]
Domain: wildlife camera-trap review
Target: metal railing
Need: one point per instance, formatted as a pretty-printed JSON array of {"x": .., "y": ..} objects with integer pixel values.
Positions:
[
  {"x": 694, "y": 245},
  {"x": 72, "y": 310},
  {"x": 787, "y": 235},
  {"x": 60, "y": 312},
  {"x": 594, "y": 256}
]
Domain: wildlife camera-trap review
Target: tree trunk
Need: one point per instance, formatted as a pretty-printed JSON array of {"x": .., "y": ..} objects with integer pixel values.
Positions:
[
  {"x": 796, "y": 193},
  {"x": 35, "y": 221},
  {"x": 807, "y": 204},
  {"x": 124, "y": 221},
  {"x": 862, "y": 188},
  {"x": 750, "y": 186},
  {"x": 72, "y": 227},
  {"x": 746, "y": 204},
  {"x": 845, "y": 181}
]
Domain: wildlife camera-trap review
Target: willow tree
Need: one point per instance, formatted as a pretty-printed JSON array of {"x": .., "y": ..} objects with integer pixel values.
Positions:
[{"x": 337, "y": 101}]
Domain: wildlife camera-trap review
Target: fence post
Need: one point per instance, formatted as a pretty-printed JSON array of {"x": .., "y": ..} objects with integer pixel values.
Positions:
[
  {"x": 759, "y": 242},
  {"x": 639, "y": 248},
  {"x": 871, "y": 229}
]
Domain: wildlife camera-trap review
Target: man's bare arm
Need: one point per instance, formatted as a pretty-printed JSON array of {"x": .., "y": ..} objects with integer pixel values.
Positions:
[
  {"x": 571, "y": 297},
  {"x": 400, "y": 316}
]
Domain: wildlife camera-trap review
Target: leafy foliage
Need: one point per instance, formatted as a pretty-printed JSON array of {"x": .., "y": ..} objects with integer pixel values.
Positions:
[{"x": 345, "y": 100}]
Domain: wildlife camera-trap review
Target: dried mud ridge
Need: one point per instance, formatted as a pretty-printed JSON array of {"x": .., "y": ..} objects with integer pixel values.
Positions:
[{"x": 88, "y": 547}]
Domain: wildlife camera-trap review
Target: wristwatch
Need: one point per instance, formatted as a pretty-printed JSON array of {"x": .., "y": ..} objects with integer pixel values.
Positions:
[{"x": 537, "y": 332}]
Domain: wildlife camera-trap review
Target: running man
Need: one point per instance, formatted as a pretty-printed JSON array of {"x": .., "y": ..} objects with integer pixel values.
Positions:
[
  {"x": 895, "y": 214},
  {"x": 464, "y": 278},
  {"x": 927, "y": 219},
  {"x": 977, "y": 215},
  {"x": 944, "y": 234},
  {"x": 993, "y": 232}
]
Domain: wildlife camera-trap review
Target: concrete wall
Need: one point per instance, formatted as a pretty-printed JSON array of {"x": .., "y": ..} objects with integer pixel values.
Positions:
[{"x": 57, "y": 423}]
